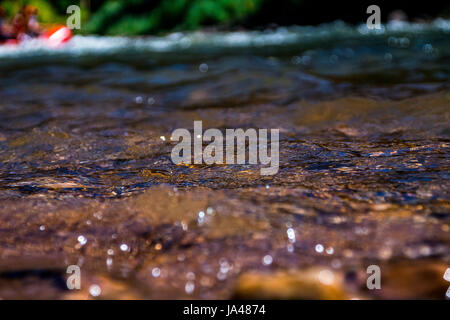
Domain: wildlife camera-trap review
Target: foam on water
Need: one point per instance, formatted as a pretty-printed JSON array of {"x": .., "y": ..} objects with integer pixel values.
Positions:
[{"x": 204, "y": 42}]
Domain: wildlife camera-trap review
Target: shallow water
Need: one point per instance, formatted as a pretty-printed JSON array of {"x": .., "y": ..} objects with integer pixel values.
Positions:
[{"x": 364, "y": 165}]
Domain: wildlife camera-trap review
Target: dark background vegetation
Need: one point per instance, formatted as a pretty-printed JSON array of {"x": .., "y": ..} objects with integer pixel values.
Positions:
[{"x": 135, "y": 17}]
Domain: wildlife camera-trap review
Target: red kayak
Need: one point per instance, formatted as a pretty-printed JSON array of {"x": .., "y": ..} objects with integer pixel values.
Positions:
[{"x": 55, "y": 36}]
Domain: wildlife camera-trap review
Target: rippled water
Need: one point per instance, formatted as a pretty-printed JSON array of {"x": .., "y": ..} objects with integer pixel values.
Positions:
[{"x": 364, "y": 164}]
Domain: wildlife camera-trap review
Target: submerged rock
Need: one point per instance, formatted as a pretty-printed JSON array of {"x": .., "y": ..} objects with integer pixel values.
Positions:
[{"x": 312, "y": 283}]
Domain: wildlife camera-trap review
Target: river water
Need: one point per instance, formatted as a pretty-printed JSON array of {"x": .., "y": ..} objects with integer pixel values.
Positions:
[{"x": 86, "y": 176}]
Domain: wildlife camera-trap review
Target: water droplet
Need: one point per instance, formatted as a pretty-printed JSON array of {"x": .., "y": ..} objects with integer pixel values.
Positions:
[
  {"x": 110, "y": 252},
  {"x": 163, "y": 138},
  {"x": 124, "y": 247},
  {"x": 330, "y": 250},
  {"x": 203, "y": 67},
  {"x": 189, "y": 287},
  {"x": 42, "y": 228},
  {"x": 139, "y": 99},
  {"x": 156, "y": 272},
  {"x": 267, "y": 260},
  {"x": 95, "y": 290},
  {"x": 224, "y": 266},
  {"x": 221, "y": 276},
  {"x": 291, "y": 235},
  {"x": 151, "y": 100},
  {"x": 201, "y": 218},
  {"x": 319, "y": 248},
  {"x": 82, "y": 240},
  {"x": 447, "y": 274}
]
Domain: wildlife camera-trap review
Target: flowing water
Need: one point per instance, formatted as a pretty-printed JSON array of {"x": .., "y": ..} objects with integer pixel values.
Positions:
[{"x": 86, "y": 176}]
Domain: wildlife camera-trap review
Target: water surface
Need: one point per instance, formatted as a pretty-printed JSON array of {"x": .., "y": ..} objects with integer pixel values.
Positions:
[{"x": 364, "y": 164}]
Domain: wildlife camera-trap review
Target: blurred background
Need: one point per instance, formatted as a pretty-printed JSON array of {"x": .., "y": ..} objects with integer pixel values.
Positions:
[{"x": 140, "y": 17}]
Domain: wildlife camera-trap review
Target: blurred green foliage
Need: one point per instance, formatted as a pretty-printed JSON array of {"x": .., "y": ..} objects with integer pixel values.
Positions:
[
  {"x": 135, "y": 17},
  {"x": 142, "y": 17}
]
